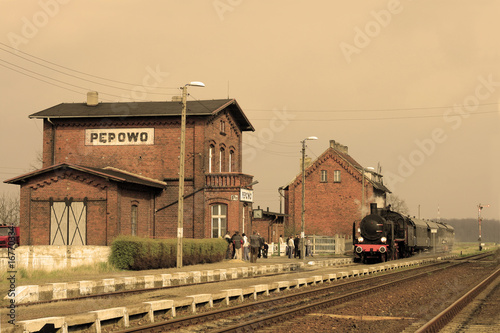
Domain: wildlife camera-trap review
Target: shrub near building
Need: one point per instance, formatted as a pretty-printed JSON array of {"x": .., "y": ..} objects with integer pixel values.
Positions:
[{"x": 136, "y": 253}]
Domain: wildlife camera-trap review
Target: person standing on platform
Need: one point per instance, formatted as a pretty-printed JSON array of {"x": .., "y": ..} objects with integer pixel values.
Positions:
[
  {"x": 237, "y": 243},
  {"x": 227, "y": 237},
  {"x": 254, "y": 247},
  {"x": 246, "y": 248},
  {"x": 296, "y": 243},
  {"x": 291, "y": 247}
]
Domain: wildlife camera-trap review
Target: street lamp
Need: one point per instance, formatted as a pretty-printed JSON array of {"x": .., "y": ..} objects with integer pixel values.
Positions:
[
  {"x": 180, "y": 212},
  {"x": 302, "y": 234}
]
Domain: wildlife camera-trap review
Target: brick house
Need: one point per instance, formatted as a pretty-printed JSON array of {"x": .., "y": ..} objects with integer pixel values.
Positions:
[
  {"x": 268, "y": 224},
  {"x": 333, "y": 194},
  {"x": 113, "y": 168}
]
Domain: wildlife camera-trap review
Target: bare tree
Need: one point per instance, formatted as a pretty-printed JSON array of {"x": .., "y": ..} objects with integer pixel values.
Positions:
[
  {"x": 397, "y": 204},
  {"x": 37, "y": 163},
  {"x": 9, "y": 209}
]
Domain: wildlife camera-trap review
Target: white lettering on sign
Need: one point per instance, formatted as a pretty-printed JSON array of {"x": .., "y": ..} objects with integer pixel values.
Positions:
[
  {"x": 246, "y": 195},
  {"x": 119, "y": 136}
]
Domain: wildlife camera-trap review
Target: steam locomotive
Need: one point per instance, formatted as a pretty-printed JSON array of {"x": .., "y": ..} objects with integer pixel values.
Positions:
[{"x": 387, "y": 235}]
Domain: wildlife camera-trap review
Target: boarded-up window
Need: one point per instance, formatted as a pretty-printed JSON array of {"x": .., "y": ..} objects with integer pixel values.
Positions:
[{"x": 68, "y": 223}]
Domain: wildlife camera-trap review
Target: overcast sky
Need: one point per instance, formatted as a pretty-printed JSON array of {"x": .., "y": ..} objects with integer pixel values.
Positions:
[{"x": 412, "y": 86}]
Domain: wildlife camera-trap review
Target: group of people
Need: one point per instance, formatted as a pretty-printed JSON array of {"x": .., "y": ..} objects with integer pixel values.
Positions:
[
  {"x": 293, "y": 247},
  {"x": 242, "y": 247}
]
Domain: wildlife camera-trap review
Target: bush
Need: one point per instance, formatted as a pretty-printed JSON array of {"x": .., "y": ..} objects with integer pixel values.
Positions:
[{"x": 137, "y": 253}]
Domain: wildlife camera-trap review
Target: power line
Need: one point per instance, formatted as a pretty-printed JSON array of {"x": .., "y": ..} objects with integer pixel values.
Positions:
[
  {"x": 333, "y": 110},
  {"x": 370, "y": 119},
  {"x": 72, "y": 70}
]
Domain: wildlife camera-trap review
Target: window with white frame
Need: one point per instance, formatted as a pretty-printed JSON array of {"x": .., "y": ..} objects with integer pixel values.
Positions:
[
  {"x": 219, "y": 220},
  {"x": 336, "y": 176},
  {"x": 230, "y": 162},
  {"x": 324, "y": 176},
  {"x": 210, "y": 157}
]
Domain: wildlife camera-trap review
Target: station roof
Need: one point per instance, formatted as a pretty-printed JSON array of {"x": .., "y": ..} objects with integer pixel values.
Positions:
[
  {"x": 107, "y": 173},
  {"x": 146, "y": 109}
]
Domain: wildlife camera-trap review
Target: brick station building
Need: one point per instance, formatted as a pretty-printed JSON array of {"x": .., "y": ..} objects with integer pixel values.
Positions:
[
  {"x": 113, "y": 168},
  {"x": 333, "y": 194}
]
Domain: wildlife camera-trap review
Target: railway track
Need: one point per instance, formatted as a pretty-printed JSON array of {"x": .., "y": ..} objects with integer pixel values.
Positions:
[
  {"x": 268, "y": 312},
  {"x": 122, "y": 293},
  {"x": 443, "y": 318}
]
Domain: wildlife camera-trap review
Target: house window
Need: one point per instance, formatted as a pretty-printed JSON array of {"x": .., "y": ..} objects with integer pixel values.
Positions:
[
  {"x": 222, "y": 127},
  {"x": 230, "y": 162},
  {"x": 336, "y": 176},
  {"x": 219, "y": 220},
  {"x": 210, "y": 157},
  {"x": 324, "y": 176},
  {"x": 222, "y": 158},
  {"x": 133, "y": 220}
]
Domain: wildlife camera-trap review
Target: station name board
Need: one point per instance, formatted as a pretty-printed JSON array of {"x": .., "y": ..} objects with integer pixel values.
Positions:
[
  {"x": 246, "y": 195},
  {"x": 119, "y": 136}
]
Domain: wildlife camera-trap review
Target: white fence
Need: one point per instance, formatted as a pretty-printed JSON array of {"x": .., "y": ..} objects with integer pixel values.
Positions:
[{"x": 337, "y": 244}]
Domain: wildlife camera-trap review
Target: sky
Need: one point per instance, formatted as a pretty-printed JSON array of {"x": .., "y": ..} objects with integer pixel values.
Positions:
[{"x": 412, "y": 86}]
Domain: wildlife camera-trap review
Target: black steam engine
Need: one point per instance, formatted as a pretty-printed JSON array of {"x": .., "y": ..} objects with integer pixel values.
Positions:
[{"x": 387, "y": 235}]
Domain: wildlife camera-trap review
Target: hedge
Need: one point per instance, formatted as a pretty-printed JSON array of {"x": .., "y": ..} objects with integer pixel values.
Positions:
[{"x": 137, "y": 253}]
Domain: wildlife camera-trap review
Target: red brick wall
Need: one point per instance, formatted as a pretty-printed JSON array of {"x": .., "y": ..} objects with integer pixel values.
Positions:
[
  {"x": 330, "y": 208},
  {"x": 159, "y": 161},
  {"x": 35, "y": 205}
]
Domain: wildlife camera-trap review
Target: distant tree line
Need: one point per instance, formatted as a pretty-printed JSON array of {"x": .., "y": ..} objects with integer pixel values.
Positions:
[{"x": 467, "y": 230}]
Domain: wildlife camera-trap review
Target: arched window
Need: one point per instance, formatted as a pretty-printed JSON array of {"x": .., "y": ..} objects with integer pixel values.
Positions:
[
  {"x": 230, "y": 162},
  {"x": 133, "y": 220},
  {"x": 222, "y": 160},
  {"x": 219, "y": 220},
  {"x": 210, "y": 158}
]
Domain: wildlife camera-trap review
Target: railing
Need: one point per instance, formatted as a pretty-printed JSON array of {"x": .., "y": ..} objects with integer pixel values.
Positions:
[
  {"x": 229, "y": 179},
  {"x": 320, "y": 245}
]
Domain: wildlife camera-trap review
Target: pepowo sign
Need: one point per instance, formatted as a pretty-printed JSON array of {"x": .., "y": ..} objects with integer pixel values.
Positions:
[
  {"x": 246, "y": 195},
  {"x": 119, "y": 136}
]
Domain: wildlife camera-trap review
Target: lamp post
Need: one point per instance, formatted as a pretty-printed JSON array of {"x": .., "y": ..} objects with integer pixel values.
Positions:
[
  {"x": 479, "y": 219},
  {"x": 180, "y": 212},
  {"x": 302, "y": 234}
]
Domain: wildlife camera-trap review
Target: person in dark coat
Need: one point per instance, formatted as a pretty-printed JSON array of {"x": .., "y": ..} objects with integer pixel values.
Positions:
[
  {"x": 296, "y": 243},
  {"x": 254, "y": 246},
  {"x": 237, "y": 243},
  {"x": 261, "y": 247}
]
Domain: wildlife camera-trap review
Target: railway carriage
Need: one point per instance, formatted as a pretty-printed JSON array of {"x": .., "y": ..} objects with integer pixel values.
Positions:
[{"x": 387, "y": 235}]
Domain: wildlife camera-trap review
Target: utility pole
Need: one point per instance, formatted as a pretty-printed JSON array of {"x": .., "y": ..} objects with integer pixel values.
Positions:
[{"x": 182, "y": 158}]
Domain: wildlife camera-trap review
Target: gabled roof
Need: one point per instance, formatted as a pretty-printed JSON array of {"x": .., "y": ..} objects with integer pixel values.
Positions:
[
  {"x": 350, "y": 161},
  {"x": 108, "y": 173},
  {"x": 146, "y": 109}
]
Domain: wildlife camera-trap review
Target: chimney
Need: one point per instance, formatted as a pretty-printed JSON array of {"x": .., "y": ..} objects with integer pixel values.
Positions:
[
  {"x": 92, "y": 98},
  {"x": 339, "y": 147}
]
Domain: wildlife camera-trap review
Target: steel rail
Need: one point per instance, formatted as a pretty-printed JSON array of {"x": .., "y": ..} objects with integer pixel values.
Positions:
[
  {"x": 443, "y": 318},
  {"x": 278, "y": 301}
]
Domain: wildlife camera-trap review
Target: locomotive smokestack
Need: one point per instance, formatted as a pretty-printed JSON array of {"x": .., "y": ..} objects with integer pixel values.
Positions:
[{"x": 373, "y": 208}]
